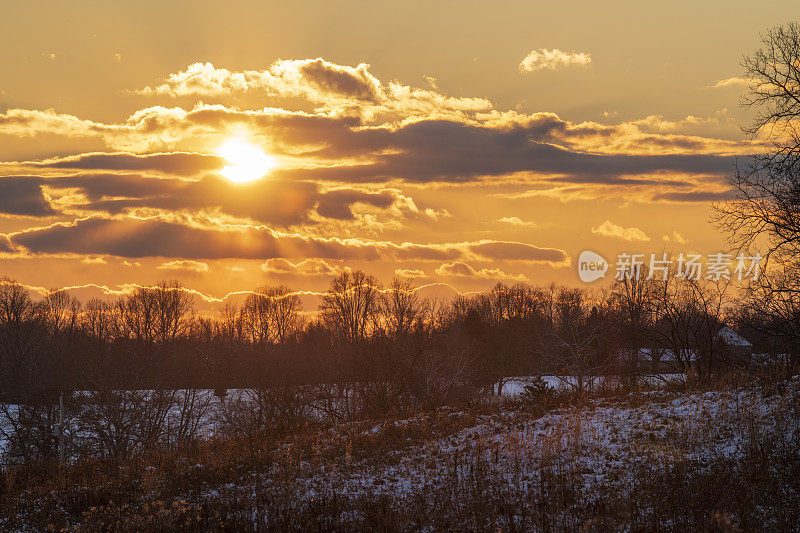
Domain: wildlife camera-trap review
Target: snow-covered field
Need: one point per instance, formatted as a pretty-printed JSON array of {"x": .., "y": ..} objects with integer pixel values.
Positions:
[
  {"x": 641, "y": 461},
  {"x": 209, "y": 407},
  {"x": 601, "y": 443}
]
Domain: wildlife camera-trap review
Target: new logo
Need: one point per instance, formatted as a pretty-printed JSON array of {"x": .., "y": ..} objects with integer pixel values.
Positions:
[{"x": 591, "y": 266}]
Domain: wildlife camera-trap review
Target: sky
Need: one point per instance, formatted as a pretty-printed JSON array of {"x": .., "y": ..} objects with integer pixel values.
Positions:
[{"x": 457, "y": 144}]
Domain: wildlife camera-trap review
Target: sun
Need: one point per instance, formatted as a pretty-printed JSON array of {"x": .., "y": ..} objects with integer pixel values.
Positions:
[{"x": 247, "y": 162}]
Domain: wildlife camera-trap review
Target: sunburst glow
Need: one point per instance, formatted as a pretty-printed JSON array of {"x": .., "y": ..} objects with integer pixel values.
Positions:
[{"x": 247, "y": 162}]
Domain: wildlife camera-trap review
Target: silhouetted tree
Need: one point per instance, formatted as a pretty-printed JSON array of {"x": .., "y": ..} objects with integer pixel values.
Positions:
[
  {"x": 765, "y": 213},
  {"x": 351, "y": 304}
]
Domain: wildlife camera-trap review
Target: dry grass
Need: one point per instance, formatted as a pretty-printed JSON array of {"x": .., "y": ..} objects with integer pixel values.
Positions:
[{"x": 260, "y": 481}]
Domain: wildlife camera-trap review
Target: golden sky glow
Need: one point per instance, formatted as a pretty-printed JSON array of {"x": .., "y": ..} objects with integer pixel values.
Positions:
[{"x": 457, "y": 143}]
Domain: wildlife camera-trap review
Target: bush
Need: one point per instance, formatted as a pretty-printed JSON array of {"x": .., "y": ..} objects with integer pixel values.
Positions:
[{"x": 537, "y": 392}]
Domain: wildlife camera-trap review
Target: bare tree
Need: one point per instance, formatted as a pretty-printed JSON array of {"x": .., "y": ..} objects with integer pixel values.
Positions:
[
  {"x": 689, "y": 316},
  {"x": 446, "y": 373},
  {"x": 230, "y": 324},
  {"x": 765, "y": 213},
  {"x": 271, "y": 314},
  {"x": 98, "y": 320},
  {"x": 401, "y": 309},
  {"x": 256, "y": 316},
  {"x": 350, "y": 306},
  {"x": 772, "y": 307},
  {"x": 60, "y": 310},
  {"x": 571, "y": 344},
  {"x": 632, "y": 298},
  {"x": 22, "y": 335},
  {"x": 26, "y": 427},
  {"x": 193, "y": 408},
  {"x": 156, "y": 315},
  {"x": 774, "y": 74}
]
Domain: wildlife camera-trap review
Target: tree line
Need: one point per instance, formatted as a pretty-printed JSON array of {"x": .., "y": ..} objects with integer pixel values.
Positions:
[{"x": 363, "y": 332}]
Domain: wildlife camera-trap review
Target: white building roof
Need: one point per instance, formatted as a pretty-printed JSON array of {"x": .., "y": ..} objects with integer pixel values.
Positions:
[{"x": 732, "y": 338}]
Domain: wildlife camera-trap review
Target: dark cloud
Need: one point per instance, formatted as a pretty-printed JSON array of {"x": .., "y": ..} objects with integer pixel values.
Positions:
[
  {"x": 98, "y": 186},
  {"x": 23, "y": 195},
  {"x": 134, "y": 238},
  {"x": 178, "y": 163},
  {"x": 5, "y": 244},
  {"x": 620, "y": 180},
  {"x": 517, "y": 251},
  {"x": 445, "y": 150},
  {"x": 696, "y": 196},
  {"x": 157, "y": 237},
  {"x": 337, "y": 203},
  {"x": 329, "y": 78},
  {"x": 269, "y": 201},
  {"x": 290, "y": 129},
  {"x": 423, "y": 150}
]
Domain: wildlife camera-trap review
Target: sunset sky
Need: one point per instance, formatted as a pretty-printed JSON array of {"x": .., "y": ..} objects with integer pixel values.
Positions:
[{"x": 231, "y": 145}]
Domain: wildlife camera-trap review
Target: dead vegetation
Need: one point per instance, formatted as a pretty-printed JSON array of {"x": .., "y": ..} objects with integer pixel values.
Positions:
[{"x": 720, "y": 457}]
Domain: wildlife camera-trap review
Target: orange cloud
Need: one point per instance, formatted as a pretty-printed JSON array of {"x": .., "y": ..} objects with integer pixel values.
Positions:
[
  {"x": 732, "y": 82},
  {"x": 186, "y": 265},
  {"x": 615, "y": 231},
  {"x": 552, "y": 59},
  {"x": 309, "y": 267},
  {"x": 515, "y": 221},
  {"x": 314, "y": 78},
  {"x": 461, "y": 269},
  {"x": 410, "y": 273}
]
